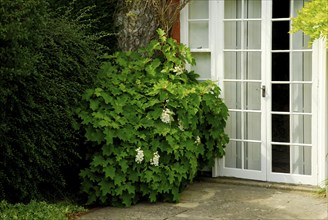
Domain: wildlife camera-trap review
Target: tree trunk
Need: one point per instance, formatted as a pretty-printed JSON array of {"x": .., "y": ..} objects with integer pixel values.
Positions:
[
  {"x": 138, "y": 20},
  {"x": 137, "y": 24}
]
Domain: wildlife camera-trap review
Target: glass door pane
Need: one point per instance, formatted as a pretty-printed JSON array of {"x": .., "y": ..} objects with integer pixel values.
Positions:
[
  {"x": 234, "y": 9},
  {"x": 301, "y": 160},
  {"x": 254, "y": 61},
  {"x": 233, "y": 157},
  {"x": 252, "y": 156},
  {"x": 280, "y": 159},
  {"x": 301, "y": 65}
]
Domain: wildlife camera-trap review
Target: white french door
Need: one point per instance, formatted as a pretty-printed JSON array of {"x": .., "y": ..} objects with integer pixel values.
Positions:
[
  {"x": 267, "y": 83},
  {"x": 244, "y": 90},
  {"x": 292, "y": 150}
]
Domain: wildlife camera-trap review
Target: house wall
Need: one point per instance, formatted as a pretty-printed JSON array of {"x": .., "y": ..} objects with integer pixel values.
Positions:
[
  {"x": 176, "y": 28},
  {"x": 176, "y": 31},
  {"x": 322, "y": 71}
]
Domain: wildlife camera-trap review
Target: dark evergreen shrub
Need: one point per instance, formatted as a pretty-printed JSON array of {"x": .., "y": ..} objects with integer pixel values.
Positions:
[
  {"x": 97, "y": 15},
  {"x": 46, "y": 63}
]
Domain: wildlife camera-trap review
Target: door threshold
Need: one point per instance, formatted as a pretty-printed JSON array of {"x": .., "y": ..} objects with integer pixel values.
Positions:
[{"x": 264, "y": 184}]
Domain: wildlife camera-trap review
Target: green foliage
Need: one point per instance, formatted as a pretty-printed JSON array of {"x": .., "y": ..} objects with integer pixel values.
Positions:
[
  {"x": 37, "y": 211},
  {"x": 312, "y": 20},
  {"x": 95, "y": 16},
  {"x": 323, "y": 190},
  {"x": 46, "y": 63},
  {"x": 152, "y": 123}
]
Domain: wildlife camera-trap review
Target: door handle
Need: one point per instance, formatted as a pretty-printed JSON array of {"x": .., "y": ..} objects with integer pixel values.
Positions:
[{"x": 263, "y": 91}]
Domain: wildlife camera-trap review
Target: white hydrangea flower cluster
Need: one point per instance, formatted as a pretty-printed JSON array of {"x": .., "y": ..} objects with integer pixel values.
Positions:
[
  {"x": 155, "y": 160},
  {"x": 139, "y": 156},
  {"x": 212, "y": 90},
  {"x": 197, "y": 140},
  {"x": 166, "y": 116},
  {"x": 178, "y": 70},
  {"x": 181, "y": 126}
]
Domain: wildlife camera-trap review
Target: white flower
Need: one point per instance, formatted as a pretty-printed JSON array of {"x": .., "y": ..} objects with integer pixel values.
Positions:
[
  {"x": 166, "y": 116},
  {"x": 180, "y": 126},
  {"x": 178, "y": 70},
  {"x": 155, "y": 160},
  {"x": 197, "y": 140},
  {"x": 139, "y": 156},
  {"x": 212, "y": 90}
]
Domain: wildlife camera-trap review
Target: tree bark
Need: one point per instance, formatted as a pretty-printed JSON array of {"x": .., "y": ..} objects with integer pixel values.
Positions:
[
  {"x": 138, "y": 20},
  {"x": 137, "y": 24}
]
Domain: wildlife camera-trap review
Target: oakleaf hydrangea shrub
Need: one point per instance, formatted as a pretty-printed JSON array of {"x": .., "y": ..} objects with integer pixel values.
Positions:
[{"x": 152, "y": 123}]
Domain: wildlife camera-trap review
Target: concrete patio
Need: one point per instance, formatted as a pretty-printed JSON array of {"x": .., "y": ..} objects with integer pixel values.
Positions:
[{"x": 216, "y": 198}]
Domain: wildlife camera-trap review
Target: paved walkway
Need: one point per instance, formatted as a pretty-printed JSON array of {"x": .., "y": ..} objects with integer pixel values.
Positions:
[{"x": 219, "y": 199}]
